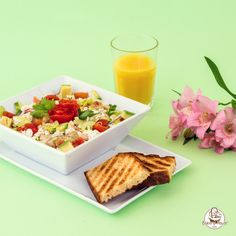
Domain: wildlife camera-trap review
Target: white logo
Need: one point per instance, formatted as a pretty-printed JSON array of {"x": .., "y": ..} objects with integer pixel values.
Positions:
[{"x": 214, "y": 218}]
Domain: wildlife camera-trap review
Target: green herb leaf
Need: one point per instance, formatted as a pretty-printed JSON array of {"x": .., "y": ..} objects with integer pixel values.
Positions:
[
  {"x": 17, "y": 106},
  {"x": 176, "y": 92},
  {"x": 39, "y": 113},
  {"x": 218, "y": 76},
  {"x": 112, "y": 109},
  {"x": 84, "y": 114},
  {"x": 41, "y": 109}
]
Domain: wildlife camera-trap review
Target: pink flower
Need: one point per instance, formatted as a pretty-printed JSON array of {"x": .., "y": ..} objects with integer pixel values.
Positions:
[
  {"x": 176, "y": 126},
  {"x": 203, "y": 113},
  {"x": 183, "y": 106},
  {"x": 225, "y": 128},
  {"x": 209, "y": 141}
]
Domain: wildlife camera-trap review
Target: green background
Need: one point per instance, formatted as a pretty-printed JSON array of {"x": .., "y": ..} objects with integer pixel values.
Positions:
[{"x": 40, "y": 40}]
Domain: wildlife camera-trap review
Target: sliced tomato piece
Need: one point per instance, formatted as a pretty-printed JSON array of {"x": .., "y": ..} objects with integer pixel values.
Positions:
[
  {"x": 100, "y": 128},
  {"x": 62, "y": 118},
  {"x": 81, "y": 95},
  {"x": 8, "y": 114},
  {"x": 77, "y": 142},
  {"x": 31, "y": 126},
  {"x": 65, "y": 111},
  {"x": 52, "y": 97},
  {"x": 103, "y": 122}
]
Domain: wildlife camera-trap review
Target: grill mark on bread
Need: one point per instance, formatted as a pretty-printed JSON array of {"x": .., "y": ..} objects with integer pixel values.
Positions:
[
  {"x": 105, "y": 171},
  {"x": 122, "y": 172},
  {"x": 109, "y": 172},
  {"x": 126, "y": 175},
  {"x": 153, "y": 162},
  {"x": 114, "y": 174}
]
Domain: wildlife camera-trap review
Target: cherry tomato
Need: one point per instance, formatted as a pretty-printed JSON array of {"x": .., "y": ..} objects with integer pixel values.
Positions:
[
  {"x": 77, "y": 142},
  {"x": 52, "y": 97},
  {"x": 8, "y": 114},
  {"x": 81, "y": 95}
]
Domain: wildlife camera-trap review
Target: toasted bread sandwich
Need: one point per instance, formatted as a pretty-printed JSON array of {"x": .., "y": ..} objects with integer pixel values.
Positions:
[
  {"x": 115, "y": 176},
  {"x": 160, "y": 169}
]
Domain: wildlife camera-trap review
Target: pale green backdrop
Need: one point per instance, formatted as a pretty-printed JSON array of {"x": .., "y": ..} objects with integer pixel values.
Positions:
[{"x": 40, "y": 40}]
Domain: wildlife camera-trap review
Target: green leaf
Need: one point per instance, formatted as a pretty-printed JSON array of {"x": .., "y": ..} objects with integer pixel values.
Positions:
[
  {"x": 84, "y": 114},
  {"x": 39, "y": 113},
  {"x": 176, "y": 92},
  {"x": 17, "y": 106},
  {"x": 41, "y": 109},
  {"x": 112, "y": 109},
  {"x": 225, "y": 104},
  {"x": 233, "y": 102},
  {"x": 218, "y": 76}
]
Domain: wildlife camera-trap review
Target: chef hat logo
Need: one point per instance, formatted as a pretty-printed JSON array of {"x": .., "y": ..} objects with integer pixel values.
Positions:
[{"x": 214, "y": 218}]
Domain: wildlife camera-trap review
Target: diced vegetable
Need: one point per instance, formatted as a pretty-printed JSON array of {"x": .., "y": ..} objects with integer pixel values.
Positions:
[
  {"x": 2, "y": 109},
  {"x": 65, "y": 91},
  {"x": 7, "y": 114},
  {"x": 62, "y": 127},
  {"x": 31, "y": 126},
  {"x": 6, "y": 121},
  {"x": 126, "y": 114},
  {"x": 95, "y": 94},
  {"x": 101, "y": 125},
  {"x": 77, "y": 142},
  {"x": 81, "y": 95},
  {"x": 20, "y": 121},
  {"x": 52, "y": 97},
  {"x": 36, "y": 100},
  {"x": 86, "y": 102},
  {"x": 37, "y": 121},
  {"x": 66, "y": 146},
  {"x": 112, "y": 109},
  {"x": 17, "y": 108},
  {"x": 51, "y": 127}
]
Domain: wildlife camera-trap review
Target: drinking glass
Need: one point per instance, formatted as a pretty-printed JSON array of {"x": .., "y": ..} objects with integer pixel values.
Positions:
[{"x": 135, "y": 66}]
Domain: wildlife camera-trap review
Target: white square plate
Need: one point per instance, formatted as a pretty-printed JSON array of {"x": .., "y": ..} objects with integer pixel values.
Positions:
[{"x": 76, "y": 183}]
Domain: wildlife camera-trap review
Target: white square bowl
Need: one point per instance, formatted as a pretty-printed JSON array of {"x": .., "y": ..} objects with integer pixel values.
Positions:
[{"x": 86, "y": 152}]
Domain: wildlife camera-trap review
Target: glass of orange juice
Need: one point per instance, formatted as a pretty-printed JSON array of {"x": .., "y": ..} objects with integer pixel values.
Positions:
[{"x": 134, "y": 66}]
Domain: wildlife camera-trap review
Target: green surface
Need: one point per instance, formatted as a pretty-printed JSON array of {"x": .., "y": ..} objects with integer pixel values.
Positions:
[{"x": 40, "y": 40}]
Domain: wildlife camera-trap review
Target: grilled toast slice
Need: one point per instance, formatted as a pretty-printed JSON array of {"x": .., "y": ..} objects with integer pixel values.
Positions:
[
  {"x": 115, "y": 176},
  {"x": 160, "y": 169}
]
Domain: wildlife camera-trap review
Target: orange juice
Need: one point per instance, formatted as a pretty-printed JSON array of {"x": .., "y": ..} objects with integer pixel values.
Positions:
[{"x": 134, "y": 76}]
